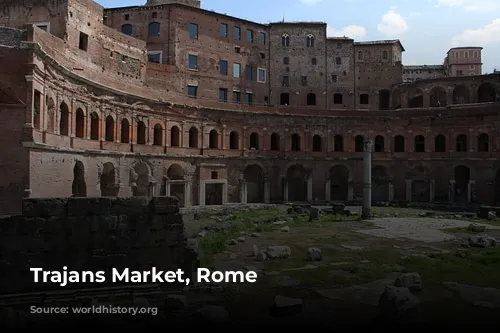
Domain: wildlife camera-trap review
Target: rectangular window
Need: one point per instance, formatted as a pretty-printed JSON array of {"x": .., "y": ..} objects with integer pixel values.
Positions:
[
  {"x": 286, "y": 61},
  {"x": 250, "y": 36},
  {"x": 360, "y": 55},
  {"x": 193, "y": 62},
  {"x": 303, "y": 81},
  {"x": 237, "y": 33},
  {"x": 223, "y": 67},
  {"x": 384, "y": 55},
  {"x": 223, "y": 30},
  {"x": 43, "y": 25},
  {"x": 249, "y": 98},
  {"x": 262, "y": 38},
  {"x": 261, "y": 75},
  {"x": 83, "y": 41},
  {"x": 236, "y": 70},
  {"x": 460, "y": 73},
  {"x": 223, "y": 95},
  {"x": 154, "y": 56},
  {"x": 236, "y": 97},
  {"x": 286, "y": 81},
  {"x": 249, "y": 73},
  {"x": 193, "y": 30},
  {"x": 335, "y": 78},
  {"x": 192, "y": 91}
]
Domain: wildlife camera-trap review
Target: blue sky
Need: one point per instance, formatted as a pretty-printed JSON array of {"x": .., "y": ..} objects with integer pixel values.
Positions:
[{"x": 427, "y": 28}]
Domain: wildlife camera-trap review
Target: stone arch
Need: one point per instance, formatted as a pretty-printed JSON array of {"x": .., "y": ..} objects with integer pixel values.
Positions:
[
  {"x": 379, "y": 144},
  {"x": 440, "y": 143},
  {"x": 486, "y": 93},
  {"x": 253, "y": 176},
  {"x": 94, "y": 126},
  {"x": 37, "y": 102},
  {"x": 461, "y": 143},
  {"x": 359, "y": 143},
  {"x": 396, "y": 99},
  {"x": 234, "y": 140},
  {"x": 339, "y": 183},
  {"x": 175, "y": 136},
  {"x": 420, "y": 177},
  {"x": 317, "y": 143},
  {"x": 79, "y": 186},
  {"x": 416, "y": 98},
  {"x": 380, "y": 184},
  {"x": 125, "y": 131},
  {"x": 193, "y": 137},
  {"x": 108, "y": 181},
  {"x": 483, "y": 142},
  {"x": 140, "y": 180},
  {"x": 384, "y": 99},
  {"x": 110, "y": 129},
  {"x": 311, "y": 99},
  {"x": 275, "y": 142},
  {"x": 338, "y": 143},
  {"x": 158, "y": 135},
  {"x": 176, "y": 173},
  {"x": 64, "y": 119},
  {"x": 141, "y": 133},
  {"x": 419, "y": 144},
  {"x": 399, "y": 144},
  {"x": 296, "y": 177},
  {"x": 80, "y": 123},
  {"x": 462, "y": 177},
  {"x": 51, "y": 114},
  {"x": 295, "y": 142},
  {"x": 213, "y": 139},
  {"x": 254, "y": 141},
  {"x": 438, "y": 96},
  {"x": 461, "y": 94}
]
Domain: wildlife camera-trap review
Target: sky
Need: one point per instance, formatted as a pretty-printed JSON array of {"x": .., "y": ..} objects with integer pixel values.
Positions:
[{"x": 427, "y": 28}]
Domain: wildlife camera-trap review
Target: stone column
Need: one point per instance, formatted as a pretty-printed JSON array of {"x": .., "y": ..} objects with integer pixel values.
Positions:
[
  {"x": 285, "y": 190},
  {"x": 367, "y": 179},
  {"x": 451, "y": 191},
  {"x": 470, "y": 191},
  {"x": 201, "y": 194},
  {"x": 408, "y": 190},
  {"x": 350, "y": 191},
  {"x": 167, "y": 188},
  {"x": 432, "y": 186},
  {"x": 391, "y": 191},
  {"x": 224, "y": 194},
  {"x": 309, "y": 187},
  {"x": 187, "y": 194},
  {"x": 328, "y": 189},
  {"x": 267, "y": 190},
  {"x": 243, "y": 192}
]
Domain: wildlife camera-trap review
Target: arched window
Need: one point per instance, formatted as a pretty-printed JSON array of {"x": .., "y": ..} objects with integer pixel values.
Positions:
[
  {"x": 310, "y": 40},
  {"x": 285, "y": 40},
  {"x": 127, "y": 29},
  {"x": 154, "y": 29}
]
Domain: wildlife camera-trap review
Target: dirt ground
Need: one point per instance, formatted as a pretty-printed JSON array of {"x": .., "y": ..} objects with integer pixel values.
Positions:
[{"x": 359, "y": 258}]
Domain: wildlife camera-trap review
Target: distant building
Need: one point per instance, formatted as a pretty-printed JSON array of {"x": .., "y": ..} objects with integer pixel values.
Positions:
[
  {"x": 463, "y": 61},
  {"x": 422, "y": 72}
]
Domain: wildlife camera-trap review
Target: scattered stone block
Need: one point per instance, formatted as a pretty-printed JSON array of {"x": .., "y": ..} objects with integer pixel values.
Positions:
[
  {"x": 314, "y": 254},
  {"x": 398, "y": 303},
  {"x": 482, "y": 241},
  {"x": 285, "y": 306},
  {"x": 261, "y": 256},
  {"x": 278, "y": 252},
  {"x": 412, "y": 281},
  {"x": 492, "y": 215},
  {"x": 241, "y": 239},
  {"x": 243, "y": 233},
  {"x": 233, "y": 242},
  {"x": 476, "y": 228},
  {"x": 285, "y": 229},
  {"x": 314, "y": 213},
  {"x": 255, "y": 234}
]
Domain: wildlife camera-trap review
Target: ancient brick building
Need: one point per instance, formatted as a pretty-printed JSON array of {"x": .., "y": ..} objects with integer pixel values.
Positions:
[{"x": 171, "y": 99}]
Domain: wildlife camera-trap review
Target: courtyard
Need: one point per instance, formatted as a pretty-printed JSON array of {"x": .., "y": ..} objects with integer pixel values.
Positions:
[{"x": 357, "y": 260}]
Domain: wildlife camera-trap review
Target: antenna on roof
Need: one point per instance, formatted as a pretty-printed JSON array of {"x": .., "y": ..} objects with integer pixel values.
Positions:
[{"x": 283, "y": 17}]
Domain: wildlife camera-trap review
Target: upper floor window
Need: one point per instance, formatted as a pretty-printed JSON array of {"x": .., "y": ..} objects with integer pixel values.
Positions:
[
  {"x": 338, "y": 61},
  {"x": 384, "y": 55},
  {"x": 285, "y": 40},
  {"x": 310, "y": 40},
  {"x": 236, "y": 70},
  {"x": 262, "y": 38},
  {"x": 193, "y": 62},
  {"x": 223, "y": 30},
  {"x": 360, "y": 55},
  {"x": 223, "y": 67},
  {"x": 193, "y": 30},
  {"x": 127, "y": 29},
  {"x": 250, "y": 36},
  {"x": 237, "y": 33},
  {"x": 154, "y": 56},
  {"x": 154, "y": 29}
]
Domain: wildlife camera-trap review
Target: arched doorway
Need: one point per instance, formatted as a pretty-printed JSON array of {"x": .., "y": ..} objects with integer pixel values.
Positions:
[
  {"x": 420, "y": 185},
  {"x": 108, "y": 182},
  {"x": 254, "y": 178},
  {"x": 339, "y": 183},
  {"x": 79, "y": 187},
  {"x": 296, "y": 178},
  {"x": 462, "y": 177},
  {"x": 141, "y": 186},
  {"x": 176, "y": 183},
  {"x": 380, "y": 184}
]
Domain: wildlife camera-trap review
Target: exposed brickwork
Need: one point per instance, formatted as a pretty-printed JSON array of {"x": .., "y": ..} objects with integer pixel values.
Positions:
[{"x": 91, "y": 234}]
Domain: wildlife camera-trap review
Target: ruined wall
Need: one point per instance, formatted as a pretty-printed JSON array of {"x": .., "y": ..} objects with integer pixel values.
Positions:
[{"x": 91, "y": 234}]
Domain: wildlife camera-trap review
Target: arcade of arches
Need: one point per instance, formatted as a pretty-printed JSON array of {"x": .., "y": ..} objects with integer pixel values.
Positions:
[{"x": 216, "y": 184}]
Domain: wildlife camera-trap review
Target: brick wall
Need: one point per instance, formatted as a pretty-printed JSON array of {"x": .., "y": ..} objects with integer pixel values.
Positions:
[{"x": 91, "y": 234}]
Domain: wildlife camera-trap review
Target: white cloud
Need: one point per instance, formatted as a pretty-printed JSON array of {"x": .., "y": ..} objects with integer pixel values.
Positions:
[
  {"x": 392, "y": 24},
  {"x": 489, "y": 34},
  {"x": 471, "y": 5},
  {"x": 310, "y": 2},
  {"x": 351, "y": 31}
]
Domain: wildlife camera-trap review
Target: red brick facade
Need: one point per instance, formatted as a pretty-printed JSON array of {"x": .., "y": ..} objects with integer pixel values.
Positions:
[{"x": 84, "y": 112}]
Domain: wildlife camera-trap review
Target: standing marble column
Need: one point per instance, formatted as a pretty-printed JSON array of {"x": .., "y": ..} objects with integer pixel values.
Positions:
[{"x": 367, "y": 180}]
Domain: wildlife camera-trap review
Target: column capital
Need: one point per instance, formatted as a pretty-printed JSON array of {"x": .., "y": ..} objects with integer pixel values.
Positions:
[{"x": 368, "y": 146}]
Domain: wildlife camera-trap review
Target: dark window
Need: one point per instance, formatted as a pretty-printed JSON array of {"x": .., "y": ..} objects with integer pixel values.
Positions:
[
  {"x": 310, "y": 41},
  {"x": 286, "y": 81},
  {"x": 286, "y": 61},
  {"x": 250, "y": 36},
  {"x": 314, "y": 61},
  {"x": 236, "y": 97},
  {"x": 311, "y": 99},
  {"x": 262, "y": 38},
  {"x": 440, "y": 144},
  {"x": 285, "y": 40},
  {"x": 419, "y": 144},
  {"x": 83, "y": 42},
  {"x": 237, "y": 33},
  {"x": 192, "y": 62},
  {"x": 192, "y": 91},
  {"x": 384, "y": 55},
  {"x": 399, "y": 144},
  {"x": 339, "y": 45},
  {"x": 338, "y": 61},
  {"x": 193, "y": 30},
  {"x": 214, "y": 175},
  {"x": 223, "y": 95},
  {"x": 249, "y": 73},
  {"x": 303, "y": 81},
  {"x": 249, "y": 98},
  {"x": 364, "y": 99},
  {"x": 337, "y": 99},
  {"x": 223, "y": 67},
  {"x": 284, "y": 99},
  {"x": 154, "y": 29},
  {"x": 127, "y": 17},
  {"x": 223, "y": 30},
  {"x": 154, "y": 57},
  {"x": 127, "y": 29},
  {"x": 360, "y": 55},
  {"x": 335, "y": 78}
]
